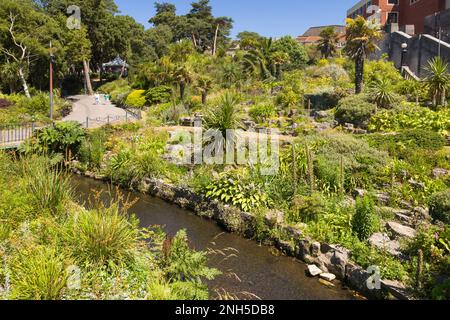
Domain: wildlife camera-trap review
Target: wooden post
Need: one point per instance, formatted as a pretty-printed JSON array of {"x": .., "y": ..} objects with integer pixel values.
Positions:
[{"x": 87, "y": 122}]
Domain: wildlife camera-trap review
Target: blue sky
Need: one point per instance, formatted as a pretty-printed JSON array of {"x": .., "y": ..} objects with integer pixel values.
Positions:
[{"x": 271, "y": 18}]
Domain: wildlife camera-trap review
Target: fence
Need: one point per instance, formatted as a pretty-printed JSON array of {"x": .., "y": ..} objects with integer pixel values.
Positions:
[
  {"x": 130, "y": 115},
  {"x": 16, "y": 133}
]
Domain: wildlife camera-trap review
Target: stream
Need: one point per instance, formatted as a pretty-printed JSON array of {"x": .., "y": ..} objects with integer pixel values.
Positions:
[{"x": 256, "y": 271}]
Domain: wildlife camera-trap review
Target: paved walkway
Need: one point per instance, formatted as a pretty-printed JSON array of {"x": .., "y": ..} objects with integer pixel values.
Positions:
[{"x": 85, "y": 107}]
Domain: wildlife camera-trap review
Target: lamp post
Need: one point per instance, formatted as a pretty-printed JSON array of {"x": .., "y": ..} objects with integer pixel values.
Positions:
[
  {"x": 404, "y": 51},
  {"x": 52, "y": 57}
]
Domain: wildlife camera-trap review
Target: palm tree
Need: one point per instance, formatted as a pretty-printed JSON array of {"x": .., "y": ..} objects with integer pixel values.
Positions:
[
  {"x": 265, "y": 60},
  {"x": 381, "y": 89},
  {"x": 328, "y": 42},
  {"x": 361, "y": 35},
  {"x": 182, "y": 74},
  {"x": 438, "y": 80},
  {"x": 204, "y": 84}
]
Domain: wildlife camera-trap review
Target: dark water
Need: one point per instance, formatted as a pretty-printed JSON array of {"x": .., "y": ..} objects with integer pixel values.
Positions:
[{"x": 258, "y": 270}]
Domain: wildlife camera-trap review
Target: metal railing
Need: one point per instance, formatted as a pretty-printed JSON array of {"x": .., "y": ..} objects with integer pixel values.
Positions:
[
  {"x": 108, "y": 120},
  {"x": 16, "y": 133}
]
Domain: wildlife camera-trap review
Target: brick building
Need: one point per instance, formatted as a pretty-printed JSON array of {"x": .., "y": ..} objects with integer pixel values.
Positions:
[{"x": 409, "y": 15}]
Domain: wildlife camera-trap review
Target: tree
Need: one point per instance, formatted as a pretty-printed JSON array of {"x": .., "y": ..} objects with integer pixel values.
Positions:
[
  {"x": 249, "y": 40},
  {"x": 182, "y": 75},
  {"x": 265, "y": 60},
  {"x": 438, "y": 80},
  {"x": 78, "y": 50},
  {"x": 328, "y": 42},
  {"x": 25, "y": 34},
  {"x": 361, "y": 37},
  {"x": 297, "y": 56},
  {"x": 204, "y": 84}
]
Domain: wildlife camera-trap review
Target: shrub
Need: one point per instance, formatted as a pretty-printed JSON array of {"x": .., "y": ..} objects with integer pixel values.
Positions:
[
  {"x": 136, "y": 99},
  {"x": 49, "y": 188},
  {"x": 103, "y": 237},
  {"x": 411, "y": 118},
  {"x": 288, "y": 99},
  {"x": 310, "y": 208},
  {"x": 262, "y": 111},
  {"x": 174, "y": 113},
  {"x": 5, "y": 103},
  {"x": 365, "y": 222},
  {"x": 405, "y": 142},
  {"x": 355, "y": 109},
  {"x": 440, "y": 206},
  {"x": 246, "y": 196},
  {"x": 60, "y": 138},
  {"x": 38, "y": 274},
  {"x": 363, "y": 165},
  {"x": 336, "y": 72},
  {"x": 161, "y": 94},
  {"x": 324, "y": 98}
]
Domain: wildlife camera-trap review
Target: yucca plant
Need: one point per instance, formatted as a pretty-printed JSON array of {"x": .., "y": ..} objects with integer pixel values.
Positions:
[
  {"x": 225, "y": 116},
  {"x": 382, "y": 92},
  {"x": 438, "y": 80}
]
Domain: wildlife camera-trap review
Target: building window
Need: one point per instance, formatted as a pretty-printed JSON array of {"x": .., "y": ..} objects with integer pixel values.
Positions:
[
  {"x": 394, "y": 2},
  {"x": 392, "y": 17},
  {"x": 411, "y": 2}
]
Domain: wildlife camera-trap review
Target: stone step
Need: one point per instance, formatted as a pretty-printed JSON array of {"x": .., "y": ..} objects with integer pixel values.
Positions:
[{"x": 400, "y": 230}]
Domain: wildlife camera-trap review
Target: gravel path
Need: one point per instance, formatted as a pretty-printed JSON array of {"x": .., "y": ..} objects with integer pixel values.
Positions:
[{"x": 85, "y": 107}]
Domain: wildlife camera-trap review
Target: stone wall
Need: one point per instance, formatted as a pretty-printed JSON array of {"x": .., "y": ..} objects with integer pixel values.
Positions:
[
  {"x": 290, "y": 240},
  {"x": 421, "y": 49}
]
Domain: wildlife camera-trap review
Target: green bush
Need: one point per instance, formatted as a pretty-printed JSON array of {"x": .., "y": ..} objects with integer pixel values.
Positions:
[
  {"x": 136, "y": 99},
  {"x": 323, "y": 98},
  {"x": 365, "y": 221},
  {"x": 49, "y": 188},
  {"x": 246, "y": 196},
  {"x": 60, "y": 138},
  {"x": 440, "y": 206},
  {"x": 411, "y": 117},
  {"x": 362, "y": 165},
  {"x": 161, "y": 94},
  {"x": 262, "y": 111},
  {"x": 38, "y": 274},
  {"x": 355, "y": 109},
  {"x": 102, "y": 237}
]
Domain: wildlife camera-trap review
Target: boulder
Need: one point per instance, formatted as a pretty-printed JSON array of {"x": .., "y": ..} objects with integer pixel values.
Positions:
[
  {"x": 399, "y": 230},
  {"x": 359, "y": 193},
  {"x": 327, "y": 276},
  {"x": 397, "y": 289},
  {"x": 313, "y": 270},
  {"x": 383, "y": 242},
  {"x": 416, "y": 184},
  {"x": 383, "y": 198},
  {"x": 422, "y": 213},
  {"x": 315, "y": 249},
  {"x": 440, "y": 172},
  {"x": 404, "y": 219},
  {"x": 274, "y": 218}
]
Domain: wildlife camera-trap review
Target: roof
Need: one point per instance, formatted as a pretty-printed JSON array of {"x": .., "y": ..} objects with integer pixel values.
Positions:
[
  {"x": 116, "y": 62},
  {"x": 315, "y": 31},
  {"x": 309, "y": 39}
]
